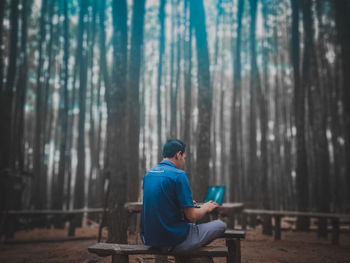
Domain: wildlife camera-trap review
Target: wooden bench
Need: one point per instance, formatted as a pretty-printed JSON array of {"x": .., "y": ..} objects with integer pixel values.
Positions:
[
  {"x": 278, "y": 215},
  {"x": 120, "y": 252}
]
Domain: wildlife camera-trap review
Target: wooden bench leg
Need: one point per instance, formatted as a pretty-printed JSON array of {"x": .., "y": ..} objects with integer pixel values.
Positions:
[
  {"x": 277, "y": 228},
  {"x": 322, "y": 228},
  {"x": 267, "y": 225},
  {"x": 244, "y": 221},
  {"x": 252, "y": 221},
  {"x": 231, "y": 221},
  {"x": 120, "y": 258},
  {"x": 180, "y": 259},
  {"x": 161, "y": 259},
  {"x": 72, "y": 225},
  {"x": 10, "y": 227},
  {"x": 335, "y": 231},
  {"x": 234, "y": 250},
  {"x": 187, "y": 259}
]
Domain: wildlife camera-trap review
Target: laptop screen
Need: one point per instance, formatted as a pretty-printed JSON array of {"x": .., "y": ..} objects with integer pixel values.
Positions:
[{"x": 215, "y": 193}]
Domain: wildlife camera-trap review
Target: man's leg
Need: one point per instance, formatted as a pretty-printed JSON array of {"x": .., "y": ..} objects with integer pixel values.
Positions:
[
  {"x": 200, "y": 235},
  {"x": 211, "y": 230}
]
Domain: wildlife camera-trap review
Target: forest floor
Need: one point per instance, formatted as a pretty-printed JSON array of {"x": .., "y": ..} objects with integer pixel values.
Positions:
[{"x": 295, "y": 247}]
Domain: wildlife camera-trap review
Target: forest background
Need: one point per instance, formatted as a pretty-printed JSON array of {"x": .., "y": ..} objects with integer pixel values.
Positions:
[{"x": 258, "y": 90}]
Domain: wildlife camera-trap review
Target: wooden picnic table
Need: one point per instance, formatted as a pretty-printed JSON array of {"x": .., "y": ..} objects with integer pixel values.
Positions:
[
  {"x": 278, "y": 214},
  {"x": 226, "y": 209}
]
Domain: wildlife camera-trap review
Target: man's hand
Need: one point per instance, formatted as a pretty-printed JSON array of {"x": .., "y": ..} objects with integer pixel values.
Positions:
[
  {"x": 194, "y": 214},
  {"x": 210, "y": 206},
  {"x": 195, "y": 204}
]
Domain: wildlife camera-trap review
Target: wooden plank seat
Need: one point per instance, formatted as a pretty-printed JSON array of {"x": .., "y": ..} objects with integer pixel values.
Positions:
[{"x": 120, "y": 252}]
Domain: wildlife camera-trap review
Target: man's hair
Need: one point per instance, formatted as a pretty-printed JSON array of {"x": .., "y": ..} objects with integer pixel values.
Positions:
[{"x": 172, "y": 146}]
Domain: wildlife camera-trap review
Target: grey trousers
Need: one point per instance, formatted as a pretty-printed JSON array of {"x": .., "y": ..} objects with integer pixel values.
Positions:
[{"x": 200, "y": 235}]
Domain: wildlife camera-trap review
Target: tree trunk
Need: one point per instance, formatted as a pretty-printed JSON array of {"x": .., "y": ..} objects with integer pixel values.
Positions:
[
  {"x": 254, "y": 88},
  {"x": 106, "y": 80},
  {"x": 64, "y": 114},
  {"x": 178, "y": 70},
  {"x": 2, "y": 66},
  {"x": 117, "y": 119},
  {"x": 201, "y": 180},
  {"x": 18, "y": 126},
  {"x": 172, "y": 77},
  {"x": 7, "y": 94},
  {"x": 264, "y": 119},
  {"x": 188, "y": 90},
  {"x": 70, "y": 135},
  {"x": 79, "y": 192},
  {"x": 318, "y": 124},
  {"x": 133, "y": 98},
  {"x": 92, "y": 130},
  {"x": 161, "y": 17},
  {"x": 39, "y": 185},
  {"x": 236, "y": 121},
  {"x": 342, "y": 18},
  {"x": 302, "y": 181},
  {"x": 336, "y": 134},
  {"x": 49, "y": 127}
]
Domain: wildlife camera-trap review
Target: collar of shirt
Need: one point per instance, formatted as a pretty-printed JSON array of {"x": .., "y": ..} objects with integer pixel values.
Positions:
[{"x": 167, "y": 163}]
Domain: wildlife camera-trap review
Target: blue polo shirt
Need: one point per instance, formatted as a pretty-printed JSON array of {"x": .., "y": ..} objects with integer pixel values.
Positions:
[{"x": 165, "y": 192}]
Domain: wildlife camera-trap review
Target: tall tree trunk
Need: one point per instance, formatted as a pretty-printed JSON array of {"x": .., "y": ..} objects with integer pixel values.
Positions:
[
  {"x": 70, "y": 135},
  {"x": 18, "y": 126},
  {"x": 178, "y": 69},
  {"x": 319, "y": 123},
  {"x": 117, "y": 118},
  {"x": 217, "y": 106},
  {"x": 7, "y": 94},
  {"x": 79, "y": 192},
  {"x": 342, "y": 18},
  {"x": 263, "y": 95},
  {"x": 48, "y": 127},
  {"x": 236, "y": 124},
  {"x": 133, "y": 97},
  {"x": 254, "y": 88},
  {"x": 336, "y": 134},
  {"x": 172, "y": 131},
  {"x": 188, "y": 89},
  {"x": 106, "y": 80},
  {"x": 201, "y": 180},
  {"x": 2, "y": 66},
  {"x": 64, "y": 115},
  {"x": 92, "y": 131},
  {"x": 99, "y": 188},
  {"x": 161, "y": 17},
  {"x": 39, "y": 186},
  {"x": 302, "y": 181},
  {"x": 287, "y": 141},
  {"x": 278, "y": 160}
]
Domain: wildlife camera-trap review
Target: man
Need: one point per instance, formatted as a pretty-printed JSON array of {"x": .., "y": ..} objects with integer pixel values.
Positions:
[{"x": 168, "y": 212}]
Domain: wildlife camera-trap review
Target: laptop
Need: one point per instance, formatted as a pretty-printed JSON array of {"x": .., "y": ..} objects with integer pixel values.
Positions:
[{"x": 214, "y": 193}]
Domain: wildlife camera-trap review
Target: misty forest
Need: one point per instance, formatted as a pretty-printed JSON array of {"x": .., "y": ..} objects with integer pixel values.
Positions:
[{"x": 90, "y": 90}]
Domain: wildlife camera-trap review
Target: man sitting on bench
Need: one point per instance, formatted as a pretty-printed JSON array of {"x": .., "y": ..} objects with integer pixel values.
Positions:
[{"x": 168, "y": 213}]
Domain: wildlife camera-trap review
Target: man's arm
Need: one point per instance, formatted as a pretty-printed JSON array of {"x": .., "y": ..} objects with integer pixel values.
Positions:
[{"x": 193, "y": 214}]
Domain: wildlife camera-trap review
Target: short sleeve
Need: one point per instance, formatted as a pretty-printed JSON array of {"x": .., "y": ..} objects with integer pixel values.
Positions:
[{"x": 183, "y": 191}]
